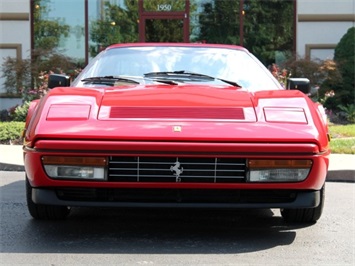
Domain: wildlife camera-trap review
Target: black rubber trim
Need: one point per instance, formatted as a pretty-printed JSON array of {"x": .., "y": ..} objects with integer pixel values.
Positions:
[{"x": 303, "y": 199}]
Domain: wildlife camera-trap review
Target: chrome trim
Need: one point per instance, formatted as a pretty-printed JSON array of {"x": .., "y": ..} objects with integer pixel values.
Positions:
[{"x": 158, "y": 169}]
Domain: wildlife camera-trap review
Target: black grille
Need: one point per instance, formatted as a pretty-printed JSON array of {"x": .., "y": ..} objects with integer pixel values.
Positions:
[{"x": 172, "y": 169}]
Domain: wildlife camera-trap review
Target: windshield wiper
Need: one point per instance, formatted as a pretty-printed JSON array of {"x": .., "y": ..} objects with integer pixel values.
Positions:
[
  {"x": 182, "y": 74},
  {"x": 108, "y": 80},
  {"x": 233, "y": 83}
]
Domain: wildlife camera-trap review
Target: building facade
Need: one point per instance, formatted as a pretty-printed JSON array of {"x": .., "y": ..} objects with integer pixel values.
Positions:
[
  {"x": 320, "y": 26},
  {"x": 15, "y": 38},
  {"x": 80, "y": 29}
]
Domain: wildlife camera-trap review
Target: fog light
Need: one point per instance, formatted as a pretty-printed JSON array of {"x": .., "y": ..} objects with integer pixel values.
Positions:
[
  {"x": 278, "y": 170},
  {"x": 75, "y": 167},
  {"x": 59, "y": 171}
]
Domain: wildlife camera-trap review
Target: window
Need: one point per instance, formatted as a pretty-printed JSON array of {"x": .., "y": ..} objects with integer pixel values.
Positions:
[{"x": 59, "y": 25}]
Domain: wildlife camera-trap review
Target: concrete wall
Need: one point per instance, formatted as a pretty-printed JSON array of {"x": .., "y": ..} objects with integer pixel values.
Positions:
[
  {"x": 320, "y": 26},
  {"x": 15, "y": 32},
  {"x": 8, "y": 103}
]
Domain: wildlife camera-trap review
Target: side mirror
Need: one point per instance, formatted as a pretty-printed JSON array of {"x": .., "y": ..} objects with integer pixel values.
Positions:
[
  {"x": 301, "y": 84},
  {"x": 313, "y": 94},
  {"x": 57, "y": 80}
]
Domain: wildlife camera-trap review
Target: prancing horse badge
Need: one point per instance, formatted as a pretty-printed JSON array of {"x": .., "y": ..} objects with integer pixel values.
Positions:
[{"x": 177, "y": 170}]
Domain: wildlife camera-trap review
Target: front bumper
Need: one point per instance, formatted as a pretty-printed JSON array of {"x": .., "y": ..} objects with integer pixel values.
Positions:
[
  {"x": 300, "y": 151},
  {"x": 176, "y": 198}
]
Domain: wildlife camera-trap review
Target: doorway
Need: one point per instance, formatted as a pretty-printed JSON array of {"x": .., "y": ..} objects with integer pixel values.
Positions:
[
  {"x": 164, "y": 30},
  {"x": 164, "y": 22}
]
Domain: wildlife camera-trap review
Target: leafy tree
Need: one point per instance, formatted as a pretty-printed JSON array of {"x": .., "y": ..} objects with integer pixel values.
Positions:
[
  {"x": 322, "y": 74},
  {"x": 27, "y": 77},
  {"x": 331, "y": 78},
  {"x": 16, "y": 74},
  {"x": 47, "y": 32},
  {"x": 117, "y": 25},
  {"x": 268, "y": 25},
  {"x": 344, "y": 55},
  {"x": 168, "y": 31},
  {"x": 218, "y": 22},
  {"x": 305, "y": 68}
]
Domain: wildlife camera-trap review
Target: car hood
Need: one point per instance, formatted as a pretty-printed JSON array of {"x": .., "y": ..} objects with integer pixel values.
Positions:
[
  {"x": 178, "y": 102},
  {"x": 177, "y": 113}
]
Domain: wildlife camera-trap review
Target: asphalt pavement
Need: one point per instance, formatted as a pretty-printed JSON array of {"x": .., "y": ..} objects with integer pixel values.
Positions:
[{"x": 341, "y": 166}]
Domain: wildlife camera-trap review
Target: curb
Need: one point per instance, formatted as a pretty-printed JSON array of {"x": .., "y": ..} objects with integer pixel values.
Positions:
[
  {"x": 341, "y": 176},
  {"x": 11, "y": 167}
]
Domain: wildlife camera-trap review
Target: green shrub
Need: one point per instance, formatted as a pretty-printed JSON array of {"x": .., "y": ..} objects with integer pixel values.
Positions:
[
  {"x": 20, "y": 112},
  {"x": 349, "y": 111},
  {"x": 11, "y": 132},
  {"x": 29, "y": 77},
  {"x": 4, "y": 115},
  {"x": 344, "y": 56}
]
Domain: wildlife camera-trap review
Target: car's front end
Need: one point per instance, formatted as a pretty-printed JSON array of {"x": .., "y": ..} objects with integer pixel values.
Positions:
[{"x": 176, "y": 145}]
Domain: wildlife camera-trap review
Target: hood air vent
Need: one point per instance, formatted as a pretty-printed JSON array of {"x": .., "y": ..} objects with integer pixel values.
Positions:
[{"x": 214, "y": 113}]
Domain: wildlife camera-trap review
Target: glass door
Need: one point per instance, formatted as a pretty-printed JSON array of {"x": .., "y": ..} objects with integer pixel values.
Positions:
[
  {"x": 163, "y": 21},
  {"x": 164, "y": 30}
]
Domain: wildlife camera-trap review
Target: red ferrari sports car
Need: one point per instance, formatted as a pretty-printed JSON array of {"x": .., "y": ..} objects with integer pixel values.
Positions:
[{"x": 175, "y": 125}]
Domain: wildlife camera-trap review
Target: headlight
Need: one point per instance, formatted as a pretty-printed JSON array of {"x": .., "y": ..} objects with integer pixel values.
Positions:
[
  {"x": 285, "y": 115},
  {"x": 278, "y": 170},
  {"x": 75, "y": 167},
  {"x": 59, "y": 112}
]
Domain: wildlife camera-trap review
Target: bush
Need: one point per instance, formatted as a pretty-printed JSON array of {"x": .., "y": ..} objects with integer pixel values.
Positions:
[
  {"x": 344, "y": 56},
  {"x": 4, "y": 115},
  {"x": 305, "y": 68},
  {"x": 349, "y": 112},
  {"x": 20, "y": 112},
  {"x": 28, "y": 77},
  {"x": 11, "y": 132},
  {"x": 323, "y": 75},
  {"x": 17, "y": 75}
]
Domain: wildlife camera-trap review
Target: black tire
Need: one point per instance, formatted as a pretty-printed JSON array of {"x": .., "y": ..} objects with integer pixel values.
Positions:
[
  {"x": 44, "y": 212},
  {"x": 309, "y": 215}
]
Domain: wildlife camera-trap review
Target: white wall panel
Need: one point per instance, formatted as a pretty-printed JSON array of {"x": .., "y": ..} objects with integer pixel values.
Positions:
[
  {"x": 15, "y": 6},
  {"x": 326, "y": 6},
  {"x": 15, "y": 31},
  {"x": 322, "y": 22}
]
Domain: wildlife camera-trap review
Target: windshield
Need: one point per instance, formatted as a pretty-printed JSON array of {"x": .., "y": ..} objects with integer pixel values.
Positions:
[{"x": 232, "y": 65}]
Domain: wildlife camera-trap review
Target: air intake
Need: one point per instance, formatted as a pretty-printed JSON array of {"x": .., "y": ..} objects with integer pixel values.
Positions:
[{"x": 214, "y": 113}]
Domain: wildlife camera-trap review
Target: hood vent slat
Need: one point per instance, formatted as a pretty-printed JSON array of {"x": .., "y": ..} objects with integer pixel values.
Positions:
[{"x": 223, "y": 113}]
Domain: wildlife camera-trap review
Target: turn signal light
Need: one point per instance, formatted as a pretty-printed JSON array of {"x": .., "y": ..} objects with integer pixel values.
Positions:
[
  {"x": 87, "y": 168},
  {"x": 279, "y": 163},
  {"x": 278, "y": 170},
  {"x": 92, "y": 161}
]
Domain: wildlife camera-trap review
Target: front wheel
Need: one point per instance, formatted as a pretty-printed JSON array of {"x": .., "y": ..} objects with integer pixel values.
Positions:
[
  {"x": 309, "y": 215},
  {"x": 44, "y": 212}
]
